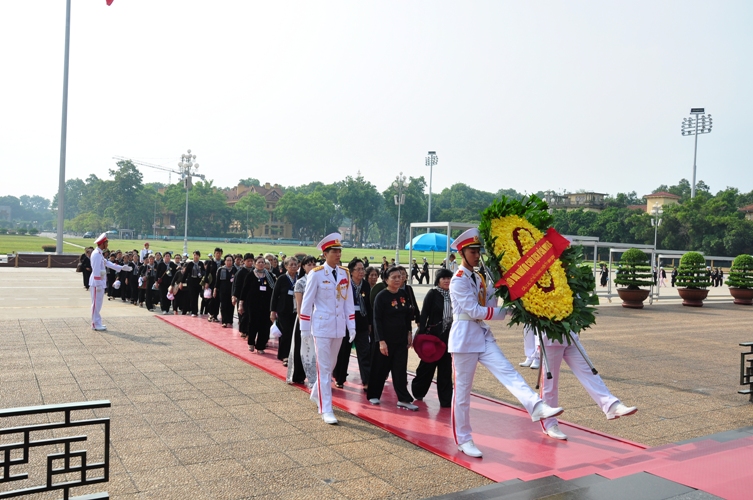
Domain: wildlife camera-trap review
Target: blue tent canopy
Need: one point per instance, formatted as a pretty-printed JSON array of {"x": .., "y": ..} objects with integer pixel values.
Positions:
[{"x": 429, "y": 242}]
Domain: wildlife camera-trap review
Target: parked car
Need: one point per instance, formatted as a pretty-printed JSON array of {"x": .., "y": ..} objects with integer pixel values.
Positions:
[
  {"x": 234, "y": 240},
  {"x": 347, "y": 244},
  {"x": 88, "y": 234}
]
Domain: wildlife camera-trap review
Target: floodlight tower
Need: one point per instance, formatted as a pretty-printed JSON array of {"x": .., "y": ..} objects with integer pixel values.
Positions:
[{"x": 698, "y": 123}]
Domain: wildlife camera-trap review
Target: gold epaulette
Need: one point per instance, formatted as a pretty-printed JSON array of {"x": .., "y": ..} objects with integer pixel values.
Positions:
[
  {"x": 318, "y": 268},
  {"x": 345, "y": 269}
]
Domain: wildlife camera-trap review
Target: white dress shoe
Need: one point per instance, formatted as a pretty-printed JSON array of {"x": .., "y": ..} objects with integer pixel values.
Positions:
[
  {"x": 555, "y": 432},
  {"x": 100, "y": 328},
  {"x": 374, "y": 401},
  {"x": 618, "y": 410},
  {"x": 470, "y": 449},
  {"x": 535, "y": 364},
  {"x": 329, "y": 418},
  {"x": 543, "y": 410},
  {"x": 407, "y": 406},
  {"x": 527, "y": 362}
]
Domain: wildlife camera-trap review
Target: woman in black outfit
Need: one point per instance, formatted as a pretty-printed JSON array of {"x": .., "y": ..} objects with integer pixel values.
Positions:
[
  {"x": 133, "y": 279},
  {"x": 86, "y": 266},
  {"x": 409, "y": 290},
  {"x": 283, "y": 307},
  {"x": 149, "y": 277},
  {"x": 165, "y": 272},
  {"x": 436, "y": 319},
  {"x": 255, "y": 300},
  {"x": 223, "y": 291},
  {"x": 192, "y": 275},
  {"x": 361, "y": 293},
  {"x": 393, "y": 315}
]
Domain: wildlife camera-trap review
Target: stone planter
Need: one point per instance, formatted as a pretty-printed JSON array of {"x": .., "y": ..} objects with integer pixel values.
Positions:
[
  {"x": 693, "y": 297},
  {"x": 743, "y": 296},
  {"x": 632, "y": 299}
]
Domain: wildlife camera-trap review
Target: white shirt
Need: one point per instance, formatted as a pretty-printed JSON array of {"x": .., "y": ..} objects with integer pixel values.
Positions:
[
  {"x": 327, "y": 308},
  {"x": 468, "y": 332}
]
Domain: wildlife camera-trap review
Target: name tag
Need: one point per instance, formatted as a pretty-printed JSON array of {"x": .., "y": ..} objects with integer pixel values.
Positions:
[
  {"x": 290, "y": 292},
  {"x": 263, "y": 288},
  {"x": 357, "y": 308}
]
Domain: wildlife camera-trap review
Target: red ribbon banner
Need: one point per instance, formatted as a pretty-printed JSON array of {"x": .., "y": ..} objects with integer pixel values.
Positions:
[{"x": 531, "y": 267}]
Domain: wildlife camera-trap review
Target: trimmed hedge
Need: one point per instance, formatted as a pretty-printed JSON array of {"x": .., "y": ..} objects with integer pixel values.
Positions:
[
  {"x": 741, "y": 272},
  {"x": 633, "y": 271},
  {"x": 692, "y": 272}
]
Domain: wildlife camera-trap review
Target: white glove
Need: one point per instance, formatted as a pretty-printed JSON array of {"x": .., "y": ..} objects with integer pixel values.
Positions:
[
  {"x": 352, "y": 338},
  {"x": 305, "y": 333},
  {"x": 126, "y": 268}
]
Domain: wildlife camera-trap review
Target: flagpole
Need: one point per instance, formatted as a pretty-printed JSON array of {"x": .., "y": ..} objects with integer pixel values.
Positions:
[{"x": 63, "y": 132}]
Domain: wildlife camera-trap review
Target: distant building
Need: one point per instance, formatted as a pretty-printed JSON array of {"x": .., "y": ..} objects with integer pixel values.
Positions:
[
  {"x": 661, "y": 198},
  {"x": 590, "y": 202},
  {"x": 273, "y": 228},
  {"x": 748, "y": 209}
]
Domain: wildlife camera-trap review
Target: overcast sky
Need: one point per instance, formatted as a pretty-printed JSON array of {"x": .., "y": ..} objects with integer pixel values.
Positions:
[{"x": 560, "y": 95}]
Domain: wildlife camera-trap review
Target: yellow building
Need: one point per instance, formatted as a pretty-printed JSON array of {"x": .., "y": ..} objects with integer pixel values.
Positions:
[
  {"x": 661, "y": 198},
  {"x": 273, "y": 228}
]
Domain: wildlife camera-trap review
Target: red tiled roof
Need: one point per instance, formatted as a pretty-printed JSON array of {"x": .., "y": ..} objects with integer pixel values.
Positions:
[
  {"x": 662, "y": 194},
  {"x": 746, "y": 208}
]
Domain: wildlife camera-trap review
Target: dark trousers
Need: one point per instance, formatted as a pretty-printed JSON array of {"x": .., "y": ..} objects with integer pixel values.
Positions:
[
  {"x": 397, "y": 364},
  {"x": 425, "y": 374},
  {"x": 285, "y": 323},
  {"x": 214, "y": 306},
  {"x": 258, "y": 328},
  {"x": 164, "y": 303},
  {"x": 340, "y": 372},
  {"x": 133, "y": 284},
  {"x": 227, "y": 309},
  {"x": 299, "y": 373},
  {"x": 194, "y": 290},
  {"x": 87, "y": 275},
  {"x": 363, "y": 353}
]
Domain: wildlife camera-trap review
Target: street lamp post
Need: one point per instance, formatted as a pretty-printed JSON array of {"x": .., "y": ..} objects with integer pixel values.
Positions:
[
  {"x": 187, "y": 170},
  {"x": 431, "y": 160},
  {"x": 656, "y": 213},
  {"x": 399, "y": 184},
  {"x": 699, "y": 123}
]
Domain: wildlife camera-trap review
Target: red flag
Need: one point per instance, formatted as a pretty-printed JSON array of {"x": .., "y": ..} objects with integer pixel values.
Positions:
[{"x": 109, "y": 2}]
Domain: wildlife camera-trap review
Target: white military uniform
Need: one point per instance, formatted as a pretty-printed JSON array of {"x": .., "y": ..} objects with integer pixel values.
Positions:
[
  {"x": 326, "y": 311},
  {"x": 471, "y": 342},
  {"x": 549, "y": 388},
  {"x": 98, "y": 283}
]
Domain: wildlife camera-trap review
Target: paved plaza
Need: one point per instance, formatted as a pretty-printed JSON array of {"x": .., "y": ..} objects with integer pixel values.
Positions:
[{"x": 191, "y": 421}]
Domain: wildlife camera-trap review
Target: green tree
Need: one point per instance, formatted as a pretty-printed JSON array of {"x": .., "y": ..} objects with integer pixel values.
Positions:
[
  {"x": 208, "y": 212},
  {"x": 360, "y": 201},
  {"x": 249, "y": 182},
  {"x": 251, "y": 212},
  {"x": 74, "y": 191},
  {"x": 413, "y": 210}
]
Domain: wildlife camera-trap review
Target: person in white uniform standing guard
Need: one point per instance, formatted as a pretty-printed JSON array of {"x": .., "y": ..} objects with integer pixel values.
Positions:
[
  {"x": 98, "y": 280},
  {"x": 471, "y": 341},
  {"x": 327, "y": 309}
]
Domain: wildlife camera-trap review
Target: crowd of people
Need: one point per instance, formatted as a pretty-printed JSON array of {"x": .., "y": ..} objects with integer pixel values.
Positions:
[{"x": 320, "y": 309}]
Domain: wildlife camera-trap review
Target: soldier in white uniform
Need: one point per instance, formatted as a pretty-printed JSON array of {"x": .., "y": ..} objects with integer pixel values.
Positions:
[
  {"x": 326, "y": 311},
  {"x": 471, "y": 342},
  {"x": 98, "y": 280},
  {"x": 593, "y": 384}
]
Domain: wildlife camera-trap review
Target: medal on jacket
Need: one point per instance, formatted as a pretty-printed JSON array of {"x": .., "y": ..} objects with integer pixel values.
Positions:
[{"x": 482, "y": 292}]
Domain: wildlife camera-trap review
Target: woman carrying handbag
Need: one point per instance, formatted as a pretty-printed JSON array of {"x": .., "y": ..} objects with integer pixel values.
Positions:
[{"x": 435, "y": 320}]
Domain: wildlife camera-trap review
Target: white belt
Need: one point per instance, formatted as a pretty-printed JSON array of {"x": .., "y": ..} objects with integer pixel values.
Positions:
[{"x": 463, "y": 317}]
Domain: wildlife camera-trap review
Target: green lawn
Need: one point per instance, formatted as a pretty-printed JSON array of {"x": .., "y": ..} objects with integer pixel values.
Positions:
[
  {"x": 206, "y": 247},
  {"x": 15, "y": 243}
]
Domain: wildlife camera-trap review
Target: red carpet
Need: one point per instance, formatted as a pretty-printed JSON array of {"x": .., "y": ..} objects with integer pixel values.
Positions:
[{"x": 513, "y": 446}]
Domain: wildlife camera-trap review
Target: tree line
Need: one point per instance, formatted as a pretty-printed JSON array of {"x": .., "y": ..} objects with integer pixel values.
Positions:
[{"x": 709, "y": 223}]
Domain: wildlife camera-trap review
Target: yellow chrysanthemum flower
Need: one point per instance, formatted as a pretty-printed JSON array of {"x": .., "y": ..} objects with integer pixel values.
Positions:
[{"x": 551, "y": 298}]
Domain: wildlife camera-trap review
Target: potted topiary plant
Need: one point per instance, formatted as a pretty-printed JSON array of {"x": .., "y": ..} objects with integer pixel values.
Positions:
[
  {"x": 633, "y": 273},
  {"x": 740, "y": 280},
  {"x": 692, "y": 279}
]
